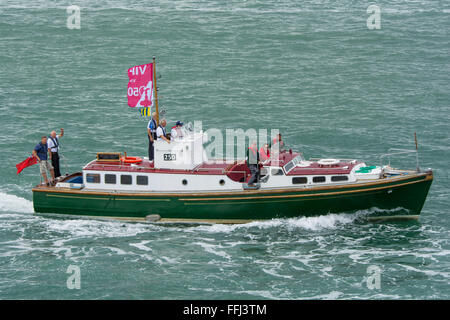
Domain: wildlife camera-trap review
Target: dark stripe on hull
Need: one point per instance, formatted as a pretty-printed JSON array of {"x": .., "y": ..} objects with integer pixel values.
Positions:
[{"x": 408, "y": 193}]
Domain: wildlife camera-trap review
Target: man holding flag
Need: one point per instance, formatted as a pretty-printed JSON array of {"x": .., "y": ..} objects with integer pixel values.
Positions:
[
  {"x": 25, "y": 163},
  {"x": 40, "y": 152}
]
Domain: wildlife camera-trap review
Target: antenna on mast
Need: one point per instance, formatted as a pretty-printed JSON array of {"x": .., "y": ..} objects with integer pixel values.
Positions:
[
  {"x": 417, "y": 152},
  {"x": 155, "y": 91}
]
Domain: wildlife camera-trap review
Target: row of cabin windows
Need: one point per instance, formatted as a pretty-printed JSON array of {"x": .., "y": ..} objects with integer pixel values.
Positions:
[
  {"x": 125, "y": 179},
  {"x": 318, "y": 179}
]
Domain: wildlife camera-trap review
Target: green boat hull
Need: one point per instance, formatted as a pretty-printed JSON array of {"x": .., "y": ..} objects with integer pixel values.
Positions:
[{"x": 396, "y": 198}]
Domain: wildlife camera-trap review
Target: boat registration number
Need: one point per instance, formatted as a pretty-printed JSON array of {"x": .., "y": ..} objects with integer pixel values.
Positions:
[{"x": 170, "y": 157}]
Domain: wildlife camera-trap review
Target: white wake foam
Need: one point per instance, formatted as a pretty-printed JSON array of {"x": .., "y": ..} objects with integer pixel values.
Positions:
[
  {"x": 316, "y": 223},
  {"x": 12, "y": 203}
]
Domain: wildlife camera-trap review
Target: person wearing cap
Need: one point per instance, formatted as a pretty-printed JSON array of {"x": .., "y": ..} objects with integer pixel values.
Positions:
[{"x": 176, "y": 132}]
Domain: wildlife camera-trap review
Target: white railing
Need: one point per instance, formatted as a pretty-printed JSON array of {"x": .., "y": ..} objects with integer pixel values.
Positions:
[
  {"x": 399, "y": 152},
  {"x": 341, "y": 160}
]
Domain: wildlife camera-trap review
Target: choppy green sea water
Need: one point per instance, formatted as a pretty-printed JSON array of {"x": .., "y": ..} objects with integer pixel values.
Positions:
[{"x": 311, "y": 69}]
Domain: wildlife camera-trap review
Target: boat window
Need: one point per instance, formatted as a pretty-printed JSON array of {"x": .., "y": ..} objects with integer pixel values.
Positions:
[
  {"x": 93, "y": 178},
  {"x": 319, "y": 179},
  {"x": 277, "y": 172},
  {"x": 184, "y": 182},
  {"x": 222, "y": 182},
  {"x": 299, "y": 180},
  {"x": 110, "y": 178},
  {"x": 142, "y": 180},
  {"x": 292, "y": 164},
  {"x": 125, "y": 179},
  {"x": 339, "y": 178}
]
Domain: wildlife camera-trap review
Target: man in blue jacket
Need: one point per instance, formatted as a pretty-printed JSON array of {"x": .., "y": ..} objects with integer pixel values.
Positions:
[
  {"x": 40, "y": 152},
  {"x": 151, "y": 133}
]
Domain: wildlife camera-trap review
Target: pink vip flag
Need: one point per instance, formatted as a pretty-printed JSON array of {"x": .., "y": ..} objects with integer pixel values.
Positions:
[{"x": 140, "y": 86}]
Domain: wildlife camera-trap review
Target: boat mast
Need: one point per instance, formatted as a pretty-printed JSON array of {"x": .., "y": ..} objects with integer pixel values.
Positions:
[
  {"x": 417, "y": 152},
  {"x": 155, "y": 93}
]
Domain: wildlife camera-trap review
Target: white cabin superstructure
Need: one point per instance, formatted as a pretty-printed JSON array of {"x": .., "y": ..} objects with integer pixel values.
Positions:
[{"x": 182, "y": 167}]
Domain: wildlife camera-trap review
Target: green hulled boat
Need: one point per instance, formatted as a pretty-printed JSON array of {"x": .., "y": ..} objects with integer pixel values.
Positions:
[
  {"x": 216, "y": 191},
  {"x": 182, "y": 184}
]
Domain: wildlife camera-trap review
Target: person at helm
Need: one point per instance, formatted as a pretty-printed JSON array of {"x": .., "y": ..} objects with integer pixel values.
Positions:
[{"x": 176, "y": 132}]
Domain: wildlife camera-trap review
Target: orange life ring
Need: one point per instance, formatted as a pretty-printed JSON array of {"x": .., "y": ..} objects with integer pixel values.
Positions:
[{"x": 131, "y": 159}]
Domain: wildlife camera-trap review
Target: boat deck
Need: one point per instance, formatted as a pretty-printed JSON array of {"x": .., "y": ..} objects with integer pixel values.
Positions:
[
  {"x": 314, "y": 169},
  {"x": 216, "y": 167}
]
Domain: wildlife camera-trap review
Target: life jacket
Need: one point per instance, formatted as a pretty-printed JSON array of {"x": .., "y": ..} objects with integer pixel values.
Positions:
[
  {"x": 164, "y": 130},
  {"x": 255, "y": 156},
  {"x": 264, "y": 154},
  {"x": 153, "y": 128},
  {"x": 55, "y": 144},
  {"x": 154, "y": 125},
  {"x": 178, "y": 131},
  {"x": 275, "y": 141}
]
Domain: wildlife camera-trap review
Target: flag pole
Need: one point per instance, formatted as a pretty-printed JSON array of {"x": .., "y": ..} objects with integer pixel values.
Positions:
[{"x": 156, "y": 91}]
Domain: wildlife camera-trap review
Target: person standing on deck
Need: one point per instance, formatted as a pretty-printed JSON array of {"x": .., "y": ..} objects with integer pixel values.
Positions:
[
  {"x": 53, "y": 147},
  {"x": 40, "y": 152},
  {"x": 264, "y": 152},
  {"x": 253, "y": 163},
  {"x": 151, "y": 133},
  {"x": 278, "y": 140},
  {"x": 176, "y": 132},
  {"x": 276, "y": 147},
  {"x": 161, "y": 131}
]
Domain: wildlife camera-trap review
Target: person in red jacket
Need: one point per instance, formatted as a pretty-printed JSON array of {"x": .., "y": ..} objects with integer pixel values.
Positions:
[
  {"x": 264, "y": 152},
  {"x": 278, "y": 140},
  {"x": 276, "y": 147},
  {"x": 253, "y": 163}
]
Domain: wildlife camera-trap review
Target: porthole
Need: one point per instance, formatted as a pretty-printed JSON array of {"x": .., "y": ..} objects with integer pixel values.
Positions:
[
  {"x": 339, "y": 178},
  {"x": 93, "y": 177},
  {"x": 222, "y": 182},
  {"x": 110, "y": 178},
  {"x": 319, "y": 179},
  {"x": 142, "y": 180},
  {"x": 299, "y": 180},
  {"x": 184, "y": 182},
  {"x": 125, "y": 179}
]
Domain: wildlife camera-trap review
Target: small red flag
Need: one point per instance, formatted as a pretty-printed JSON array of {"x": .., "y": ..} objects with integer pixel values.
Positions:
[{"x": 25, "y": 163}]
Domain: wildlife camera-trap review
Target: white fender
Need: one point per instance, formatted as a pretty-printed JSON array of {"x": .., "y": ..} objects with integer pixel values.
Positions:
[{"x": 328, "y": 162}]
